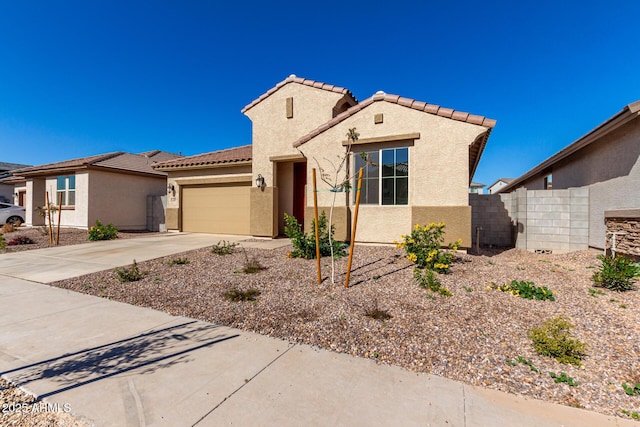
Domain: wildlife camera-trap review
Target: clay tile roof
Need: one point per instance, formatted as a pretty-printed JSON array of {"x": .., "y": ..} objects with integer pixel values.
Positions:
[
  {"x": 293, "y": 79},
  {"x": 229, "y": 155},
  {"x": 405, "y": 102}
]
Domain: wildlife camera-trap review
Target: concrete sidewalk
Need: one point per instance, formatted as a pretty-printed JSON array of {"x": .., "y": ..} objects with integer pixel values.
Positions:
[{"x": 122, "y": 365}]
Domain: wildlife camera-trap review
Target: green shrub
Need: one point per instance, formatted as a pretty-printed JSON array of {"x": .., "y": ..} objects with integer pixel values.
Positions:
[
  {"x": 563, "y": 378},
  {"x": 131, "y": 274},
  {"x": 238, "y": 295},
  {"x": 3, "y": 243},
  {"x": 554, "y": 339},
  {"x": 616, "y": 274},
  {"x": 179, "y": 261},
  {"x": 423, "y": 247},
  {"x": 527, "y": 290},
  {"x": 428, "y": 279},
  {"x": 224, "y": 248},
  {"x": 102, "y": 232},
  {"x": 304, "y": 244},
  {"x": 631, "y": 390}
]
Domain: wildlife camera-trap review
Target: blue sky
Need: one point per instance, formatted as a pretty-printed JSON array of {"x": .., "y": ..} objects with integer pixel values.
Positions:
[{"x": 79, "y": 78}]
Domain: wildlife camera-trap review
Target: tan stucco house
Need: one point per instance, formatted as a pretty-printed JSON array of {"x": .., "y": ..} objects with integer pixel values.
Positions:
[
  {"x": 424, "y": 155},
  {"x": 114, "y": 188}
]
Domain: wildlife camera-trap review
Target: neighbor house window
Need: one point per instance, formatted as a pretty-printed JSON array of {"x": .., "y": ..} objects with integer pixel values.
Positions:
[
  {"x": 548, "y": 182},
  {"x": 385, "y": 180},
  {"x": 66, "y": 189}
]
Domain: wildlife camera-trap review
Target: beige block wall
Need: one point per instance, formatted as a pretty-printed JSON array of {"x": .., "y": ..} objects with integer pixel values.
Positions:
[
  {"x": 273, "y": 133},
  {"x": 194, "y": 177}
]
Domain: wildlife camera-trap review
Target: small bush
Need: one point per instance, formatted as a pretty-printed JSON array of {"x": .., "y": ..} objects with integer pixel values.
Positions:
[
  {"x": 237, "y": 295},
  {"x": 563, "y": 378},
  {"x": 102, "y": 232},
  {"x": 554, "y": 339},
  {"x": 3, "y": 243},
  {"x": 252, "y": 266},
  {"x": 527, "y": 290},
  {"x": 428, "y": 279},
  {"x": 131, "y": 274},
  {"x": 224, "y": 248},
  {"x": 8, "y": 228},
  {"x": 616, "y": 274},
  {"x": 423, "y": 247},
  {"x": 24, "y": 240},
  {"x": 179, "y": 261},
  {"x": 304, "y": 244},
  {"x": 631, "y": 390}
]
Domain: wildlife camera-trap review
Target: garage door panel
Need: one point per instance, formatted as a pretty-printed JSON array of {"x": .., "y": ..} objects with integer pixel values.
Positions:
[{"x": 216, "y": 208}]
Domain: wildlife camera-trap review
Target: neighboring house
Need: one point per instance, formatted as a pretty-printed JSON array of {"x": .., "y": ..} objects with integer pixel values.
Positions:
[
  {"x": 476, "y": 188},
  {"x": 8, "y": 191},
  {"x": 113, "y": 188},
  {"x": 498, "y": 185},
  {"x": 603, "y": 166},
  {"x": 426, "y": 156}
]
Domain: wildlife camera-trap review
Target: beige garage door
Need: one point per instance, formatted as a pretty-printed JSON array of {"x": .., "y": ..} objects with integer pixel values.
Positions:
[{"x": 220, "y": 208}]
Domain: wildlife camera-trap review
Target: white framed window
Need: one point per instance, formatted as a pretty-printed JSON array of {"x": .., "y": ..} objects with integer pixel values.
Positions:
[
  {"x": 66, "y": 188},
  {"x": 385, "y": 178}
]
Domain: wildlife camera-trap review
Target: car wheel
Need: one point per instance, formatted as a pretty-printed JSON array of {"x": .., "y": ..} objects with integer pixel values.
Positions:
[{"x": 15, "y": 220}]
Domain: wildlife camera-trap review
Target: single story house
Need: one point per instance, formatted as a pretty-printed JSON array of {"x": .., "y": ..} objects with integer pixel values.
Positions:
[
  {"x": 8, "y": 190},
  {"x": 113, "y": 188},
  {"x": 498, "y": 185},
  {"x": 602, "y": 167},
  {"x": 421, "y": 161},
  {"x": 476, "y": 188}
]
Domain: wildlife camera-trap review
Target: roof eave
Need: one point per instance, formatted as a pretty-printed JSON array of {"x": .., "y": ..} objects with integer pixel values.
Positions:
[
  {"x": 204, "y": 166},
  {"x": 627, "y": 114}
]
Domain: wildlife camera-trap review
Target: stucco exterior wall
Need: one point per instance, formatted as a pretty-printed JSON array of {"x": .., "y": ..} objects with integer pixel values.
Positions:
[
  {"x": 117, "y": 198},
  {"x": 273, "y": 133},
  {"x": 35, "y": 198},
  {"x": 438, "y": 166},
  {"x": 72, "y": 216},
  {"x": 284, "y": 181}
]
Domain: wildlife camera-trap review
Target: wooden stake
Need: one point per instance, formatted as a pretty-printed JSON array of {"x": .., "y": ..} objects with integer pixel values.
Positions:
[
  {"x": 315, "y": 215},
  {"x": 48, "y": 217},
  {"x": 59, "y": 217},
  {"x": 353, "y": 230}
]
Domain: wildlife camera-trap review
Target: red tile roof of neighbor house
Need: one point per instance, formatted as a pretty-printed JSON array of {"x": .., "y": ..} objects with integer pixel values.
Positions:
[
  {"x": 293, "y": 79},
  {"x": 229, "y": 155},
  {"x": 126, "y": 162},
  {"x": 405, "y": 102}
]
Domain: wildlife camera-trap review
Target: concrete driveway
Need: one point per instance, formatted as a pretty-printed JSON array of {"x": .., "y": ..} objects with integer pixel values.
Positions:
[{"x": 115, "y": 364}]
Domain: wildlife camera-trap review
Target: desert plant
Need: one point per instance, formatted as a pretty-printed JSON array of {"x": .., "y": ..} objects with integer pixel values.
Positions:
[
  {"x": 304, "y": 244},
  {"x": 224, "y": 248},
  {"x": 251, "y": 265},
  {"x": 633, "y": 414},
  {"x": 179, "y": 261},
  {"x": 428, "y": 279},
  {"x": 563, "y": 378},
  {"x": 237, "y": 295},
  {"x": 631, "y": 390},
  {"x": 554, "y": 339},
  {"x": 524, "y": 289},
  {"x": 423, "y": 247},
  {"x": 23, "y": 240},
  {"x": 3, "y": 243},
  {"x": 524, "y": 361},
  {"x": 102, "y": 232},
  {"x": 131, "y": 274},
  {"x": 7, "y": 228},
  {"x": 616, "y": 274}
]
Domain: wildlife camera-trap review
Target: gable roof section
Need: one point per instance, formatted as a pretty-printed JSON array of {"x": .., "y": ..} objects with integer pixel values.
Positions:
[
  {"x": 228, "y": 156},
  {"x": 7, "y": 167},
  {"x": 628, "y": 113},
  {"x": 126, "y": 162},
  {"x": 405, "y": 102},
  {"x": 293, "y": 79}
]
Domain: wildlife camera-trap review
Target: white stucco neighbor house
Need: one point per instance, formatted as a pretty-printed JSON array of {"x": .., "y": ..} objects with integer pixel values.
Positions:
[
  {"x": 423, "y": 158},
  {"x": 498, "y": 185},
  {"x": 8, "y": 191},
  {"x": 112, "y": 187}
]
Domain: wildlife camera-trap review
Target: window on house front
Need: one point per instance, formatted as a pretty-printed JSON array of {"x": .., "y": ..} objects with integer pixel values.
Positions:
[
  {"x": 385, "y": 179},
  {"x": 66, "y": 190}
]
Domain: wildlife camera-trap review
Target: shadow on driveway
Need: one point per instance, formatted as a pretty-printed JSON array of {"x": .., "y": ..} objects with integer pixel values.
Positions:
[{"x": 151, "y": 351}]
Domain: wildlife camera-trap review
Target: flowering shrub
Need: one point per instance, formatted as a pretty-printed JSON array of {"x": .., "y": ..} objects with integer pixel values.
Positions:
[
  {"x": 527, "y": 290},
  {"x": 102, "y": 232},
  {"x": 423, "y": 247}
]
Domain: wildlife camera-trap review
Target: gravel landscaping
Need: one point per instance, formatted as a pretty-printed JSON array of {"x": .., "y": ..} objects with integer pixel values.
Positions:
[{"x": 478, "y": 336}]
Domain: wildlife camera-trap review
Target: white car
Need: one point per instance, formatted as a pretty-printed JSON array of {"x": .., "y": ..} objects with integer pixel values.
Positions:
[{"x": 11, "y": 214}]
